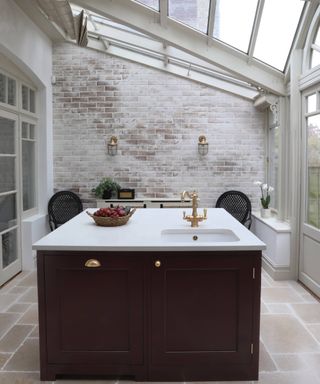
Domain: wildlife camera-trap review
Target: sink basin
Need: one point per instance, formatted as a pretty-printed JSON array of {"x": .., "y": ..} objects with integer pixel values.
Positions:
[{"x": 204, "y": 235}]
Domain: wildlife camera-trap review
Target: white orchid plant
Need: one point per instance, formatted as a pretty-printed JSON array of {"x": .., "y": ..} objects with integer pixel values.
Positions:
[{"x": 265, "y": 193}]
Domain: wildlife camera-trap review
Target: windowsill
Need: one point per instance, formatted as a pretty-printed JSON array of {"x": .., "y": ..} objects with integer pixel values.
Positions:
[{"x": 273, "y": 222}]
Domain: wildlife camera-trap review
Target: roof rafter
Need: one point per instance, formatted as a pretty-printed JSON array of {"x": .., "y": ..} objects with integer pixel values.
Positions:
[
  {"x": 184, "y": 38},
  {"x": 255, "y": 30}
]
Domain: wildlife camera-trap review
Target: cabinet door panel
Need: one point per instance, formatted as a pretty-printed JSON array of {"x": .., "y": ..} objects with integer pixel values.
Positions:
[
  {"x": 94, "y": 314},
  {"x": 202, "y": 310}
]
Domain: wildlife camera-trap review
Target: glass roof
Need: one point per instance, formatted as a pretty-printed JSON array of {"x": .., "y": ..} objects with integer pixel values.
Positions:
[
  {"x": 192, "y": 12},
  {"x": 150, "y": 3},
  {"x": 235, "y": 28}
]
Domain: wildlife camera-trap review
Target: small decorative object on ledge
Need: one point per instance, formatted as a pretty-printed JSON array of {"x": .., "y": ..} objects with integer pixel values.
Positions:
[
  {"x": 265, "y": 198},
  {"x": 126, "y": 193},
  {"x": 106, "y": 188}
]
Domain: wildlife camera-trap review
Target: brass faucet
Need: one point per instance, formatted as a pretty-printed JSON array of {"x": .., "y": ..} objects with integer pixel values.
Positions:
[{"x": 194, "y": 218}]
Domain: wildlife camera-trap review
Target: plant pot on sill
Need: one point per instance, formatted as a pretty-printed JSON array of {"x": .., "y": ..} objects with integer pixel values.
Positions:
[
  {"x": 265, "y": 213},
  {"x": 107, "y": 194}
]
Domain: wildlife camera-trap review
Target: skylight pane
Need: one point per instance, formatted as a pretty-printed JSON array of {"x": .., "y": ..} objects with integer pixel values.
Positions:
[
  {"x": 234, "y": 21},
  {"x": 191, "y": 12},
  {"x": 278, "y": 25},
  {"x": 315, "y": 58},
  {"x": 150, "y": 3}
]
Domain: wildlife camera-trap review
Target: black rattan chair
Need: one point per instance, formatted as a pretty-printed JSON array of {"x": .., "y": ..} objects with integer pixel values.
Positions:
[
  {"x": 63, "y": 206},
  {"x": 238, "y": 205}
]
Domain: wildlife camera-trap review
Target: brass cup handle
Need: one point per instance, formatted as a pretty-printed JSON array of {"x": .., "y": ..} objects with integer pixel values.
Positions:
[
  {"x": 157, "y": 263},
  {"x": 92, "y": 263}
]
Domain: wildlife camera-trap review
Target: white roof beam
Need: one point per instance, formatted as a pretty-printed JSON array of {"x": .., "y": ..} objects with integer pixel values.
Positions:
[
  {"x": 172, "y": 67},
  {"x": 143, "y": 19},
  {"x": 212, "y": 11},
  {"x": 255, "y": 30},
  {"x": 164, "y": 6}
]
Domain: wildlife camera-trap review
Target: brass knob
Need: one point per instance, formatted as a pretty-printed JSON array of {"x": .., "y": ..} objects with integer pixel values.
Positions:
[
  {"x": 157, "y": 263},
  {"x": 92, "y": 263}
]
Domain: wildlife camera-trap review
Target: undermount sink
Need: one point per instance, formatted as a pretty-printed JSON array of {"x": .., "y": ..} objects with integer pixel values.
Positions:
[{"x": 191, "y": 235}]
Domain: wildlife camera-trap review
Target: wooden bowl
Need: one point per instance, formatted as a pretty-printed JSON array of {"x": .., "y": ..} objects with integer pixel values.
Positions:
[{"x": 111, "y": 221}]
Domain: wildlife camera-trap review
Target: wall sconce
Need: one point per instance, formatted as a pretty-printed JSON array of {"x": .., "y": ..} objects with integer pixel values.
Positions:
[
  {"x": 203, "y": 146},
  {"x": 113, "y": 146}
]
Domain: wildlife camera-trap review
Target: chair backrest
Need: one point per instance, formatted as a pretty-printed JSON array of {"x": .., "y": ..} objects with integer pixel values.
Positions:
[
  {"x": 238, "y": 205},
  {"x": 63, "y": 206}
]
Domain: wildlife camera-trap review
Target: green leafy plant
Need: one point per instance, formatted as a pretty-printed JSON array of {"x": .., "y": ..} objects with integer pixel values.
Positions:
[
  {"x": 265, "y": 193},
  {"x": 106, "y": 185}
]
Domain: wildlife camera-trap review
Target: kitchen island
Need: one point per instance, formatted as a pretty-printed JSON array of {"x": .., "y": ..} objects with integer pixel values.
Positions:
[{"x": 154, "y": 299}]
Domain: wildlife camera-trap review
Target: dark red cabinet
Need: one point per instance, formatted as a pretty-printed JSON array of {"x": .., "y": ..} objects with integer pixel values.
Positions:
[{"x": 154, "y": 316}]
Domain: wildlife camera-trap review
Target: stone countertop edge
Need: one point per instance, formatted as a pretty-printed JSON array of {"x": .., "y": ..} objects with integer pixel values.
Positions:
[{"x": 143, "y": 233}]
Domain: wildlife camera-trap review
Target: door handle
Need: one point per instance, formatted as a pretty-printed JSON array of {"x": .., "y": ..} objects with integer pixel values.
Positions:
[{"x": 92, "y": 263}]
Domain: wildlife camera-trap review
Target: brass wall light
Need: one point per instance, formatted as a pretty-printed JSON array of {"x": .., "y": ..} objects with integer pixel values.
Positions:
[
  {"x": 113, "y": 146},
  {"x": 203, "y": 145}
]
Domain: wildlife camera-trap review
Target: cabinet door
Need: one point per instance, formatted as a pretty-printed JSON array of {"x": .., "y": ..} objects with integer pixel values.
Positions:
[
  {"x": 94, "y": 315},
  {"x": 202, "y": 314}
]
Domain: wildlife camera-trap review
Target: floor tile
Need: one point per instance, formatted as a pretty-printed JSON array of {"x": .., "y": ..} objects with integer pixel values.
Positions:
[
  {"x": 313, "y": 362},
  {"x": 31, "y": 315},
  {"x": 6, "y": 300},
  {"x": 26, "y": 357},
  {"x": 281, "y": 295},
  {"x": 7, "y": 320},
  {"x": 30, "y": 296},
  {"x": 35, "y": 332},
  {"x": 266, "y": 363},
  {"x": 18, "y": 307},
  {"x": 4, "y": 357},
  {"x": 309, "y": 313},
  {"x": 29, "y": 281},
  {"x": 12, "y": 339},
  {"x": 279, "y": 308},
  {"x": 22, "y": 378},
  {"x": 290, "y": 362},
  {"x": 315, "y": 330},
  {"x": 263, "y": 308},
  {"x": 285, "y": 334},
  {"x": 288, "y": 378},
  {"x": 17, "y": 290}
]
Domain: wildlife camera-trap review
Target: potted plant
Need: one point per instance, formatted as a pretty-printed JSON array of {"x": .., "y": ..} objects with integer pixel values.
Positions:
[
  {"x": 265, "y": 198},
  {"x": 105, "y": 188}
]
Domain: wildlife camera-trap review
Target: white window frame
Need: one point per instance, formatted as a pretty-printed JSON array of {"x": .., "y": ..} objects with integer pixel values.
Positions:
[{"x": 6, "y": 106}]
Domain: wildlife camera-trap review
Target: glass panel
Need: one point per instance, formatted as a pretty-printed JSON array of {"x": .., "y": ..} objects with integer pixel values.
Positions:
[
  {"x": 9, "y": 248},
  {"x": 234, "y": 21},
  {"x": 31, "y": 132},
  {"x": 32, "y": 107},
  {"x": 24, "y": 132},
  {"x": 317, "y": 39},
  {"x": 11, "y": 91},
  {"x": 315, "y": 58},
  {"x": 312, "y": 103},
  {"x": 313, "y": 156},
  {"x": 28, "y": 174},
  {"x": 7, "y": 174},
  {"x": 150, "y": 3},
  {"x": 278, "y": 25},
  {"x": 7, "y": 136},
  {"x": 192, "y": 12},
  {"x": 3, "y": 88},
  {"x": 25, "y": 97},
  {"x": 8, "y": 213}
]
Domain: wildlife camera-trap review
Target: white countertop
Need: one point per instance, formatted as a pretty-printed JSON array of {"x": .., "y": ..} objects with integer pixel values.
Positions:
[{"x": 143, "y": 233}]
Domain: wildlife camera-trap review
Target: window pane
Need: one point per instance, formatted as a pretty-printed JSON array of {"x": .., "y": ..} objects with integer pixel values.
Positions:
[
  {"x": 278, "y": 25},
  {"x": 317, "y": 39},
  {"x": 11, "y": 91},
  {"x": 8, "y": 213},
  {"x": 313, "y": 156},
  {"x": 315, "y": 58},
  {"x": 25, "y": 97},
  {"x": 9, "y": 248},
  {"x": 234, "y": 21},
  {"x": 32, "y": 107},
  {"x": 7, "y": 174},
  {"x": 7, "y": 136},
  {"x": 191, "y": 12},
  {"x": 31, "y": 132},
  {"x": 312, "y": 103},
  {"x": 3, "y": 88},
  {"x": 24, "y": 132},
  {"x": 150, "y": 3},
  {"x": 28, "y": 174}
]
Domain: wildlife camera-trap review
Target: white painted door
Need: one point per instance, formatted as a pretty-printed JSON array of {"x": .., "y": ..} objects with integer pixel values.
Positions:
[
  {"x": 10, "y": 255},
  {"x": 309, "y": 269}
]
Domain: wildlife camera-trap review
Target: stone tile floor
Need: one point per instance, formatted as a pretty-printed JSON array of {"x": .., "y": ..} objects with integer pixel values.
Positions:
[{"x": 290, "y": 334}]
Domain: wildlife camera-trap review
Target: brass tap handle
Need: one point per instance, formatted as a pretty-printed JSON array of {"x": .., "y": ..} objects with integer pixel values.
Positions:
[
  {"x": 92, "y": 263},
  {"x": 205, "y": 213}
]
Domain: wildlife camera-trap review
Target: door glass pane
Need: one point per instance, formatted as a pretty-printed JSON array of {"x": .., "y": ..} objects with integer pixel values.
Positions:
[
  {"x": 9, "y": 247},
  {"x": 11, "y": 91},
  {"x": 31, "y": 132},
  {"x": 192, "y": 12},
  {"x": 3, "y": 88},
  {"x": 32, "y": 107},
  {"x": 25, "y": 97},
  {"x": 7, "y": 174},
  {"x": 234, "y": 21},
  {"x": 28, "y": 174},
  {"x": 312, "y": 103},
  {"x": 24, "y": 132},
  {"x": 7, "y": 136},
  {"x": 313, "y": 161},
  {"x": 8, "y": 212}
]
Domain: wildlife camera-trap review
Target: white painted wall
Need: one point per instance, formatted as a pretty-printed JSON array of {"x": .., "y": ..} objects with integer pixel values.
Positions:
[{"x": 23, "y": 43}]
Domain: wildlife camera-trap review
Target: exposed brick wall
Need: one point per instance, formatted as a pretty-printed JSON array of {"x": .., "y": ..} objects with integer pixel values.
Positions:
[{"x": 157, "y": 118}]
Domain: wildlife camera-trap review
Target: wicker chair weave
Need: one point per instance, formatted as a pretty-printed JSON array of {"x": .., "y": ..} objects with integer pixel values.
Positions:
[
  {"x": 237, "y": 204},
  {"x": 63, "y": 206}
]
